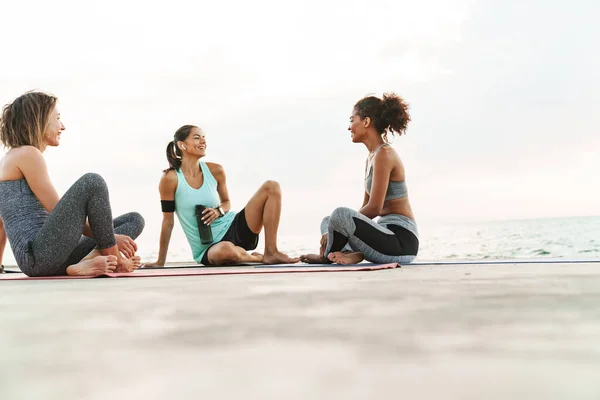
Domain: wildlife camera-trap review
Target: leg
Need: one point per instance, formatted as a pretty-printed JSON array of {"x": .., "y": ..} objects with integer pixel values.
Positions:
[
  {"x": 264, "y": 209},
  {"x": 320, "y": 258},
  {"x": 376, "y": 242},
  {"x": 226, "y": 253},
  {"x": 60, "y": 234},
  {"x": 130, "y": 224}
]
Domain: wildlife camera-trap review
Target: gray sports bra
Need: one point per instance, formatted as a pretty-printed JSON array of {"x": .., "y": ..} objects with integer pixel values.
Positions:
[{"x": 395, "y": 190}]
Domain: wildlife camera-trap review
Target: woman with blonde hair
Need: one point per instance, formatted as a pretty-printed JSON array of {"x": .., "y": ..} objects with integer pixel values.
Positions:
[{"x": 43, "y": 229}]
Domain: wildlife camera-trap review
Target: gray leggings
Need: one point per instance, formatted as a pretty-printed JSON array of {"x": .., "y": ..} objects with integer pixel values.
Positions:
[
  {"x": 59, "y": 242},
  {"x": 393, "y": 238}
]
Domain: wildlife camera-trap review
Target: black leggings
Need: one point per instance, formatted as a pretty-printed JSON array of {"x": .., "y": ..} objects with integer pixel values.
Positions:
[
  {"x": 384, "y": 241},
  {"x": 59, "y": 242}
]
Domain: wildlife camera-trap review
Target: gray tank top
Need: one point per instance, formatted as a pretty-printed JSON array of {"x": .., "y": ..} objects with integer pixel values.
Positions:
[
  {"x": 23, "y": 216},
  {"x": 395, "y": 190}
]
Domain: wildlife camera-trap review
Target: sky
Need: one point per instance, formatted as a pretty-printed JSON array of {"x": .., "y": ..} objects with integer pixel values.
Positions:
[{"x": 504, "y": 98}]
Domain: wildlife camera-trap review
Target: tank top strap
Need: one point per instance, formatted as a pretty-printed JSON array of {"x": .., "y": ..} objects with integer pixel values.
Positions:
[
  {"x": 371, "y": 157},
  {"x": 379, "y": 148},
  {"x": 208, "y": 176}
]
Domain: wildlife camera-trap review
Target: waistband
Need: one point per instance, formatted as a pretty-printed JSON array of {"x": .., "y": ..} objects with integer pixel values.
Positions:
[{"x": 400, "y": 220}]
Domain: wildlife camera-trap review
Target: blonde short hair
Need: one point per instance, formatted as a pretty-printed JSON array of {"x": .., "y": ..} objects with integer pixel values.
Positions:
[{"x": 25, "y": 120}]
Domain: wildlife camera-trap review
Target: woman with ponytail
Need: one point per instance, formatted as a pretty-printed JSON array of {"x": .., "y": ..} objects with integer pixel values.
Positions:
[
  {"x": 350, "y": 236},
  {"x": 190, "y": 183}
]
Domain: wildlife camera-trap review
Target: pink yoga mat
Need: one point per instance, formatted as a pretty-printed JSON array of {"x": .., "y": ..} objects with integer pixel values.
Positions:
[{"x": 141, "y": 273}]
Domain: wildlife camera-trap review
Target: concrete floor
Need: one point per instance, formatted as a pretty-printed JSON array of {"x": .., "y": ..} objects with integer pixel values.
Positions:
[{"x": 458, "y": 332}]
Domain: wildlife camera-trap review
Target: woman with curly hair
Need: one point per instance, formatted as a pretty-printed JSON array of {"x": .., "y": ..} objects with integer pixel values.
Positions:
[
  {"x": 45, "y": 230},
  {"x": 196, "y": 191},
  {"x": 350, "y": 236}
]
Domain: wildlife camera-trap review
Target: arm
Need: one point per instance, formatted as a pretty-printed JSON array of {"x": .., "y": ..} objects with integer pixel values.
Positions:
[
  {"x": 366, "y": 197},
  {"x": 2, "y": 240},
  {"x": 34, "y": 169},
  {"x": 382, "y": 170},
  {"x": 167, "y": 188},
  {"x": 365, "y": 200},
  {"x": 219, "y": 174}
]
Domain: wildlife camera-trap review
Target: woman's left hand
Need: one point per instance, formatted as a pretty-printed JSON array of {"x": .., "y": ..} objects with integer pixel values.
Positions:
[
  {"x": 126, "y": 245},
  {"x": 209, "y": 215}
]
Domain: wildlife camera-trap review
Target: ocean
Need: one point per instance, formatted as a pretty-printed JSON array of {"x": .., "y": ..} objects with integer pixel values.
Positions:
[{"x": 572, "y": 237}]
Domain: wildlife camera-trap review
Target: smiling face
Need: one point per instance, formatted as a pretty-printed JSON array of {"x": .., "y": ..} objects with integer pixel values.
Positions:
[
  {"x": 53, "y": 129},
  {"x": 195, "y": 144},
  {"x": 358, "y": 127}
]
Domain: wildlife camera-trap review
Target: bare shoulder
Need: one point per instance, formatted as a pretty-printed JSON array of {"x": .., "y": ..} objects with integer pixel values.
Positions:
[
  {"x": 387, "y": 154},
  {"x": 28, "y": 153},
  {"x": 215, "y": 169},
  {"x": 168, "y": 181},
  {"x": 16, "y": 162},
  {"x": 389, "y": 159}
]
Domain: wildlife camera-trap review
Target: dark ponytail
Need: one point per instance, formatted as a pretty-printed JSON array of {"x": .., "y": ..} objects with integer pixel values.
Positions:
[
  {"x": 174, "y": 155},
  {"x": 389, "y": 115}
]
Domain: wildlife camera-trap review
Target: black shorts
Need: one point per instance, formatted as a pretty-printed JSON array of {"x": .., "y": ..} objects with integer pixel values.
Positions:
[{"x": 239, "y": 234}]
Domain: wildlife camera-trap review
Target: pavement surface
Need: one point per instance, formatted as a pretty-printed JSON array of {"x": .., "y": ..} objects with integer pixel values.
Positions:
[{"x": 516, "y": 331}]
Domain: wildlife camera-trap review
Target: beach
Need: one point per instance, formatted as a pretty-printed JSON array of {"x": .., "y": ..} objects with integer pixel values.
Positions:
[{"x": 452, "y": 332}]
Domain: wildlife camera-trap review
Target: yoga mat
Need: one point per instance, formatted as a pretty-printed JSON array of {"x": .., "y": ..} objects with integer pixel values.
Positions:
[
  {"x": 273, "y": 269},
  {"x": 195, "y": 265}
]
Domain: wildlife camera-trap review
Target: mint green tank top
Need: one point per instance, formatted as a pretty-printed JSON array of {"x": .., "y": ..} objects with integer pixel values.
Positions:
[{"x": 186, "y": 199}]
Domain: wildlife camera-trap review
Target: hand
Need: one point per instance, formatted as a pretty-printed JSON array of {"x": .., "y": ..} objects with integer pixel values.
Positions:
[
  {"x": 209, "y": 215},
  {"x": 126, "y": 245},
  {"x": 323, "y": 245}
]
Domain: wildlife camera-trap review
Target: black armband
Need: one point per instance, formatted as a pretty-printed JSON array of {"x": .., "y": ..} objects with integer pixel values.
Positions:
[{"x": 167, "y": 205}]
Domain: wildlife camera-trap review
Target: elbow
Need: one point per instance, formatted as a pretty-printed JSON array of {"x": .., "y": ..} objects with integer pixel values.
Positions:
[{"x": 371, "y": 211}]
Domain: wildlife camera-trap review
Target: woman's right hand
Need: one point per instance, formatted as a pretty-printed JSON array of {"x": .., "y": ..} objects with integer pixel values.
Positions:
[{"x": 323, "y": 245}]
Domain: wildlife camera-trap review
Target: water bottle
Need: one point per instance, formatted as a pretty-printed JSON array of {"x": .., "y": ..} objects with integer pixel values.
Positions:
[{"x": 204, "y": 230}]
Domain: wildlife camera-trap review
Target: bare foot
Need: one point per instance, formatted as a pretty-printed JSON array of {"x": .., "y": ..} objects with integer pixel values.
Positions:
[
  {"x": 258, "y": 257},
  {"x": 153, "y": 265},
  {"x": 93, "y": 254},
  {"x": 314, "y": 259},
  {"x": 278, "y": 257},
  {"x": 346, "y": 258},
  {"x": 128, "y": 264},
  {"x": 93, "y": 267}
]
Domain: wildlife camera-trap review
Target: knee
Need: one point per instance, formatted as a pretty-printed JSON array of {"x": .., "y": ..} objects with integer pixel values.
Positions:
[
  {"x": 137, "y": 220},
  {"x": 272, "y": 188},
  {"x": 340, "y": 214},
  {"x": 93, "y": 181},
  {"x": 324, "y": 225}
]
